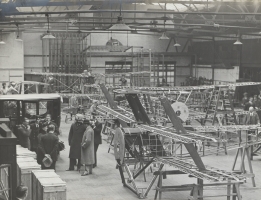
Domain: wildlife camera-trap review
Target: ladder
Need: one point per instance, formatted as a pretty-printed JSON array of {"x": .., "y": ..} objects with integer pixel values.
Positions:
[
  {"x": 220, "y": 105},
  {"x": 221, "y": 110}
]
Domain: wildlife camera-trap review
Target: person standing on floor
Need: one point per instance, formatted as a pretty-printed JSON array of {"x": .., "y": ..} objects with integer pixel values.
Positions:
[
  {"x": 251, "y": 117},
  {"x": 75, "y": 139},
  {"x": 43, "y": 130},
  {"x": 48, "y": 149},
  {"x": 4, "y": 89},
  {"x": 23, "y": 133},
  {"x": 97, "y": 128},
  {"x": 49, "y": 121},
  {"x": 87, "y": 149},
  {"x": 35, "y": 127}
]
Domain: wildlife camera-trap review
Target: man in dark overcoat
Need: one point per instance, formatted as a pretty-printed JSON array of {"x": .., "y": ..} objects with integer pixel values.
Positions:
[
  {"x": 75, "y": 139},
  {"x": 48, "y": 145},
  {"x": 23, "y": 132},
  {"x": 35, "y": 127},
  {"x": 97, "y": 127}
]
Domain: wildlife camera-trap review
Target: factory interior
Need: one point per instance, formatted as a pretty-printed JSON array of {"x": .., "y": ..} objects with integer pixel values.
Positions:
[{"x": 130, "y": 99}]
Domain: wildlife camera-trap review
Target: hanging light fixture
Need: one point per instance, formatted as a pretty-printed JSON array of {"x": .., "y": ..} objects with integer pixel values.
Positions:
[
  {"x": 120, "y": 25},
  {"x": 48, "y": 35},
  {"x": 238, "y": 42},
  {"x": 18, "y": 36},
  {"x": 164, "y": 36},
  {"x": 176, "y": 43}
]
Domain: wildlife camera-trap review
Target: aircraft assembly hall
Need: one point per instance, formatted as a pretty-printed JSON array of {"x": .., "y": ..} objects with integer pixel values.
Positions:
[{"x": 130, "y": 99}]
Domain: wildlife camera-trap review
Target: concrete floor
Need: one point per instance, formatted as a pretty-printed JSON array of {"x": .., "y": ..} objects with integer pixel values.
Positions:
[{"x": 105, "y": 182}]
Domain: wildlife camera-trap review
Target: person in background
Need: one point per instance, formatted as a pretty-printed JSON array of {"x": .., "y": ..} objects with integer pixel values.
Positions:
[
  {"x": 252, "y": 117},
  {"x": 48, "y": 147},
  {"x": 24, "y": 132},
  {"x": 87, "y": 149},
  {"x": 21, "y": 192},
  {"x": 249, "y": 104},
  {"x": 244, "y": 99},
  {"x": 123, "y": 80},
  {"x": 42, "y": 131},
  {"x": 4, "y": 90},
  {"x": 257, "y": 102},
  {"x": 259, "y": 96},
  {"x": 35, "y": 129},
  {"x": 49, "y": 121},
  {"x": 75, "y": 139},
  {"x": 93, "y": 108},
  {"x": 97, "y": 128}
]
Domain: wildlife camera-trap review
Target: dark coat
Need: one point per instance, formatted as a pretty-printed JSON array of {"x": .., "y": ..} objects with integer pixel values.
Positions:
[
  {"x": 48, "y": 145},
  {"x": 75, "y": 140},
  {"x": 254, "y": 120},
  {"x": 23, "y": 134},
  {"x": 34, "y": 136},
  {"x": 248, "y": 105},
  {"x": 97, "y": 133},
  {"x": 87, "y": 152}
]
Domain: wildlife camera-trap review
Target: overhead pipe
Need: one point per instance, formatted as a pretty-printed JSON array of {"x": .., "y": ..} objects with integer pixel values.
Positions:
[{"x": 171, "y": 12}]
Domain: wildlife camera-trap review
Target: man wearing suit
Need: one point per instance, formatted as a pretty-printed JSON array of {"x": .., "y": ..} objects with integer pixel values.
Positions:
[
  {"x": 97, "y": 127},
  {"x": 48, "y": 120},
  {"x": 23, "y": 133},
  {"x": 48, "y": 145},
  {"x": 251, "y": 117},
  {"x": 75, "y": 139}
]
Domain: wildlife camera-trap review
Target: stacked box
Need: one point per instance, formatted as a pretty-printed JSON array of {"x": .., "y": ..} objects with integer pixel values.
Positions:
[
  {"x": 24, "y": 152},
  {"x": 51, "y": 188},
  {"x": 24, "y": 175},
  {"x": 37, "y": 174}
]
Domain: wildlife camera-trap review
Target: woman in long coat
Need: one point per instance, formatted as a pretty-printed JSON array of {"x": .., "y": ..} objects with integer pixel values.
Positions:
[{"x": 87, "y": 149}]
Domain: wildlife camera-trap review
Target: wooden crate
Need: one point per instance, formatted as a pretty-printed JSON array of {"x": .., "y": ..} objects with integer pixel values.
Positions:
[
  {"x": 36, "y": 174},
  {"x": 4, "y": 176},
  {"x": 25, "y": 159},
  {"x": 51, "y": 188},
  {"x": 24, "y": 152},
  {"x": 24, "y": 175}
]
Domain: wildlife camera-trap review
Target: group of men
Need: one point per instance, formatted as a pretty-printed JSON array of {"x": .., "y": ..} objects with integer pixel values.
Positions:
[
  {"x": 11, "y": 89},
  {"x": 42, "y": 138},
  {"x": 252, "y": 101},
  {"x": 84, "y": 140}
]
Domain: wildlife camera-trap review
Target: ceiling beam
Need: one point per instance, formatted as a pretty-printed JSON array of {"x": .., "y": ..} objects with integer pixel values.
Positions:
[{"x": 100, "y": 2}]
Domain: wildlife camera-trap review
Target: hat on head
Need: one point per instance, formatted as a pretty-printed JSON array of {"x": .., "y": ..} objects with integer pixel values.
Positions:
[
  {"x": 79, "y": 117},
  {"x": 245, "y": 93}
]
